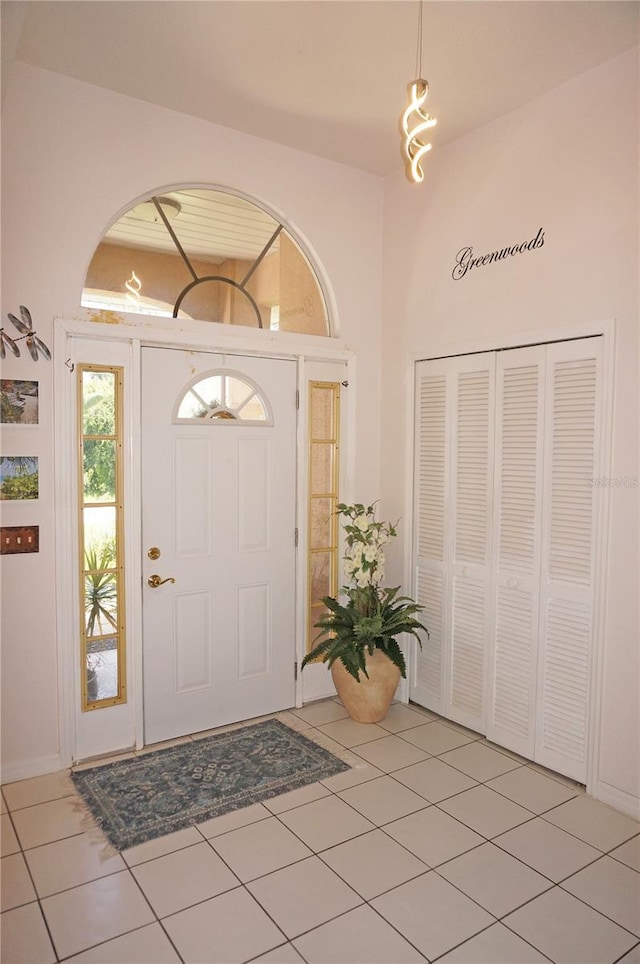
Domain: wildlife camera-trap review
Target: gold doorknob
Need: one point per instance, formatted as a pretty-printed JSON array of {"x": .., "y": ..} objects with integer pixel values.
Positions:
[{"x": 154, "y": 581}]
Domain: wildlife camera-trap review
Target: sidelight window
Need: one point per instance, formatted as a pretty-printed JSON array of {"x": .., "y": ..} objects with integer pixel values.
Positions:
[
  {"x": 100, "y": 470},
  {"x": 324, "y": 427}
]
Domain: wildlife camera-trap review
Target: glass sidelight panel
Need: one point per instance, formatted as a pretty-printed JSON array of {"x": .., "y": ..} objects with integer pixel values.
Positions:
[
  {"x": 101, "y": 557},
  {"x": 321, "y": 523},
  {"x": 321, "y": 574},
  {"x": 324, "y": 423},
  {"x": 322, "y": 457}
]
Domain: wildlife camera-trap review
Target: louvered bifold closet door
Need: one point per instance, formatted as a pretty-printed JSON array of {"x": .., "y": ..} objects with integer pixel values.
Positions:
[
  {"x": 452, "y": 533},
  {"x": 513, "y": 645},
  {"x": 566, "y": 588},
  {"x": 470, "y": 529},
  {"x": 430, "y": 502}
]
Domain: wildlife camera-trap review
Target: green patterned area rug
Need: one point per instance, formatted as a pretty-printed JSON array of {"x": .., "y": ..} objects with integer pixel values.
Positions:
[{"x": 156, "y": 793}]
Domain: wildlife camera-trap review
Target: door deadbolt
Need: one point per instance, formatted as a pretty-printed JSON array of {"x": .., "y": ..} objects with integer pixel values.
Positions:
[
  {"x": 154, "y": 581},
  {"x": 154, "y": 553}
]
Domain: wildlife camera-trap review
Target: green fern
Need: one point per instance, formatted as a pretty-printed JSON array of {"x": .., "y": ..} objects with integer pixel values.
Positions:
[{"x": 370, "y": 619}]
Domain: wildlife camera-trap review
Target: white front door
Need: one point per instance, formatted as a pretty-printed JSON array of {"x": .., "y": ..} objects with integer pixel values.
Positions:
[{"x": 218, "y": 514}]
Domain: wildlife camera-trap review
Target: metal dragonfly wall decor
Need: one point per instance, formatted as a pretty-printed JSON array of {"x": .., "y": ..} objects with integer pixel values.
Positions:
[{"x": 24, "y": 324}]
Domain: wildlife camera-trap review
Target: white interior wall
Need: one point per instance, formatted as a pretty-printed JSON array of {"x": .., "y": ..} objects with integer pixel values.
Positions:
[
  {"x": 567, "y": 162},
  {"x": 74, "y": 156}
]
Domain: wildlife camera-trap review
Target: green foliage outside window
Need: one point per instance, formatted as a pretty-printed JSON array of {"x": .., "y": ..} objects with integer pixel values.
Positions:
[
  {"x": 99, "y": 464},
  {"x": 101, "y": 591}
]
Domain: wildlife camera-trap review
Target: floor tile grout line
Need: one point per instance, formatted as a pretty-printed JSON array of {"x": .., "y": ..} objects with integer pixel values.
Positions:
[
  {"x": 375, "y": 910},
  {"x": 270, "y": 916},
  {"x": 610, "y": 853},
  {"x": 620, "y": 960},
  {"x": 596, "y": 909},
  {"x": 575, "y": 834},
  {"x": 498, "y": 917},
  {"x": 38, "y": 901},
  {"x": 527, "y": 941},
  {"x": 477, "y": 934},
  {"x": 484, "y": 783},
  {"x": 473, "y": 829},
  {"x": 48, "y": 928},
  {"x": 84, "y": 883},
  {"x": 364, "y": 903},
  {"x": 557, "y": 884},
  {"x": 288, "y": 943},
  {"x": 505, "y": 924},
  {"x": 39, "y": 803}
]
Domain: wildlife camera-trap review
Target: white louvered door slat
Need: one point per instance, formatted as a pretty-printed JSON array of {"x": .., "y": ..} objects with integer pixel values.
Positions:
[
  {"x": 427, "y": 669},
  {"x": 471, "y": 456},
  {"x": 517, "y": 521},
  {"x": 565, "y": 642}
]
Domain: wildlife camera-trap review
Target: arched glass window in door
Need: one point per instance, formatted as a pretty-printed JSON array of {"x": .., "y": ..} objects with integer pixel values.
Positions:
[
  {"x": 223, "y": 397},
  {"x": 208, "y": 255}
]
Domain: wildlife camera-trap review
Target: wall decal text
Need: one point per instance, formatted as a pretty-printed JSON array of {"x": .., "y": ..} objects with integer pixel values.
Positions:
[{"x": 465, "y": 259}]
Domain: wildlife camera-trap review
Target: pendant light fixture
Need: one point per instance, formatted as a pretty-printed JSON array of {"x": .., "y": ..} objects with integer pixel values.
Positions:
[{"x": 415, "y": 120}]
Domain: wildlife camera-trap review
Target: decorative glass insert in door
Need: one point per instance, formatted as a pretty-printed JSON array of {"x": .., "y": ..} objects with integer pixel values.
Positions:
[
  {"x": 324, "y": 443},
  {"x": 223, "y": 396},
  {"x": 100, "y": 527}
]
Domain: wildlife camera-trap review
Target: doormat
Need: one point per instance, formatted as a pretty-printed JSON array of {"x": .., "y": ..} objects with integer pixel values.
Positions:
[{"x": 156, "y": 793}]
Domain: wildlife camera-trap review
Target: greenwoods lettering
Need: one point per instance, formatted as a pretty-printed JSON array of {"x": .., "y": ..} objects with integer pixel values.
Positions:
[{"x": 465, "y": 260}]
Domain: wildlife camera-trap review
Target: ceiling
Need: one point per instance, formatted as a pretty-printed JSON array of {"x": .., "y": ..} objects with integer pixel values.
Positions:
[
  {"x": 210, "y": 226},
  {"x": 324, "y": 76}
]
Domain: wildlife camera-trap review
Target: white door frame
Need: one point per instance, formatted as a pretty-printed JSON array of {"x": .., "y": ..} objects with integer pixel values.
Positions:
[
  {"x": 130, "y": 339},
  {"x": 607, "y": 329}
]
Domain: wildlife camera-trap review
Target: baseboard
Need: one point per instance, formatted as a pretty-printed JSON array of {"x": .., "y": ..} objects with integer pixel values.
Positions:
[
  {"x": 25, "y": 769},
  {"x": 618, "y": 799}
]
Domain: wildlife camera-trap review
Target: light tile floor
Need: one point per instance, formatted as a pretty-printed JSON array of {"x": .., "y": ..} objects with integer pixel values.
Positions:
[{"x": 434, "y": 846}]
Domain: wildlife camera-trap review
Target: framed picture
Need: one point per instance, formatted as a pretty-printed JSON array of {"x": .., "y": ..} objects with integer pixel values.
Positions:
[
  {"x": 18, "y": 477},
  {"x": 18, "y": 402}
]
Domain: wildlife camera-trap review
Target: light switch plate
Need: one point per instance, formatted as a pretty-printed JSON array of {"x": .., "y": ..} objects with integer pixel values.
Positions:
[{"x": 14, "y": 539}]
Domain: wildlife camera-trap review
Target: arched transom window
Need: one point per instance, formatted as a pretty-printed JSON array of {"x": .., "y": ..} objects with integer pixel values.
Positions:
[
  {"x": 208, "y": 255},
  {"x": 223, "y": 397}
]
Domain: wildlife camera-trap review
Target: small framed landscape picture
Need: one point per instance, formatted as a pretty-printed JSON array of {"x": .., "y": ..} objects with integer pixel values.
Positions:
[
  {"x": 18, "y": 402},
  {"x": 18, "y": 477}
]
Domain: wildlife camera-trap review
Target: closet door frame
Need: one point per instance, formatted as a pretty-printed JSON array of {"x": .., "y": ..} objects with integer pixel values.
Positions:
[{"x": 604, "y": 429}]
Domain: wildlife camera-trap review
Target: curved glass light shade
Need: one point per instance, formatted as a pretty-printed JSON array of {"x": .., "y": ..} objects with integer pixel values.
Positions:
[
  {"x": 415, "y": 121},
  {"x": 207, "y": 255}
]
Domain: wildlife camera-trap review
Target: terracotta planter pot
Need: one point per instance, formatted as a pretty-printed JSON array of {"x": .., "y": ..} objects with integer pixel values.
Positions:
[{"x": 367, "y": 701}]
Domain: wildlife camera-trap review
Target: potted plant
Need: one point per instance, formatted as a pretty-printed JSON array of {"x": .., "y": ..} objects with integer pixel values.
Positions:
[{"x": 358, "y": 633}]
